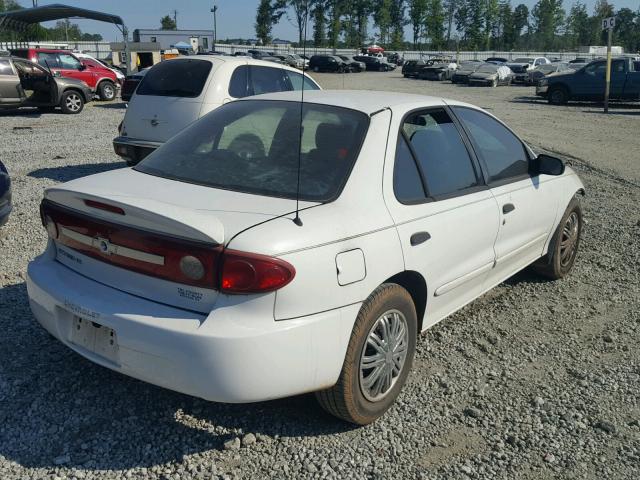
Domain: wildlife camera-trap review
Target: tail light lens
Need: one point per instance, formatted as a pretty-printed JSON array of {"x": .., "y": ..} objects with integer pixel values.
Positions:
[{"x": 252, "y": 273}]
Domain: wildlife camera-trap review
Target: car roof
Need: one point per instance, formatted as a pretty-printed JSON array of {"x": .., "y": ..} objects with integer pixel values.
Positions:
[
  {"x": 240, "y": 60},
  {"x": 366, "y": 101}
]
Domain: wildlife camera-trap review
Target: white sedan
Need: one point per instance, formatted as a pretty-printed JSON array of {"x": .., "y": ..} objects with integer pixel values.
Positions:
[{"x": 197, "y": 272}]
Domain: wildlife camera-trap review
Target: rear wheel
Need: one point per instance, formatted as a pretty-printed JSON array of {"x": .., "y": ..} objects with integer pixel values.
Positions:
[
  {"x": 71, "y": 102},
  {"x": 559, "y": 260},
  {"x": 107, "y": 91},
  {"x": 378, "y": 359}
]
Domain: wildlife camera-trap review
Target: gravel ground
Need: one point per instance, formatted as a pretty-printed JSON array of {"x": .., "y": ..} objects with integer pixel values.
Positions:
[{"x": 534, "y": 380}]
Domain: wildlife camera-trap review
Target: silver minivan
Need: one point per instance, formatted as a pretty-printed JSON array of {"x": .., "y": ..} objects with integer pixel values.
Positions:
[{"x": 176, "y": 92}]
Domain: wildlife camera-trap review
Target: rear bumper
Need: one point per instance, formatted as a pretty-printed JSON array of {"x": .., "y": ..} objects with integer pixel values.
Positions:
[
  {"x": 133, "y": 150},
  {"x": 236, "y": 354}
]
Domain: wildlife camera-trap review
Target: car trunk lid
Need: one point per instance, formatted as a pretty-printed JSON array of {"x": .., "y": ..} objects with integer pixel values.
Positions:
[{"x": 132, "y": 231}]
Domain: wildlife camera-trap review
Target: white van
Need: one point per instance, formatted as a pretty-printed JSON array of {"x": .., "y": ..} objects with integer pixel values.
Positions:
[{"x": 175, "y": 93}]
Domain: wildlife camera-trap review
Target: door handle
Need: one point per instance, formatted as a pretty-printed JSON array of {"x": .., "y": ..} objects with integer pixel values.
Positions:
[
  {"x": 419, "y": 237},
  {"x": 508, "y": 207}
]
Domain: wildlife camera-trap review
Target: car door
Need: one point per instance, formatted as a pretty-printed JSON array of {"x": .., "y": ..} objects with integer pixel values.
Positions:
[
  {"x": 71, "y": 67},
  {"x": 446, "y": 218},
  {"x": 528, "y": 205},
  {"x": 591, "y": 81},
  {"x": 618, "y": 78},
  {"x": 10, "y": 91}
]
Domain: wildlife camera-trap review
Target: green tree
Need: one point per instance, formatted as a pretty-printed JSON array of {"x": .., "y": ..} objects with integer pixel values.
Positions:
[
  {"x": 470, "y": 23},
  {"x": 335, "y": 9},
  {"x": 548, "y": 17},
  {"x": 491, "y": 12},
  {"x": 435, "y": 16},
  {"x": 168, "y": 23},
  {"x": 269, "y": 13},
  {"x": 417, "y": 16},
  {"x": 505, "y": 35},
  {"x": 300, "y": 9},
  {"x": 382, "y": 19},
  {"x": 627, "y": 29},
  {"x": 601, "y": 10},
  {"x": 450, "y": 11},
  {"x": 397, "y": 23},
  {"x": 520, "y": 19},
  {"x": 319, "y": 23},
  {"x": 579, "y": 26}
]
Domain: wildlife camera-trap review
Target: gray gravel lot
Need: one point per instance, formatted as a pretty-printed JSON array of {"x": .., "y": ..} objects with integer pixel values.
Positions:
[{"x": 535, "y": 380}]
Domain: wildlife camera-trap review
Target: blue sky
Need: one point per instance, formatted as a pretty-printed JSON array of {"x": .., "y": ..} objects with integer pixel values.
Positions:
[{"x": 236, "y": 18}]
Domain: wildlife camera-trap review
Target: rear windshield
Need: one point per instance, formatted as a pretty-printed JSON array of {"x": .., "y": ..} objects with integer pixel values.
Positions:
[
  {"x": 252, "y": 146},
  {"x": 488, "y": 68},
  {"x": 176, "y": 78},
  {"x": 523, "y": 60}
]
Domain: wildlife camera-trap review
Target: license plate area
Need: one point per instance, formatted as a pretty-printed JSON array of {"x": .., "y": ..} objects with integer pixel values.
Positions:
[{"x": 96, "y": 338}]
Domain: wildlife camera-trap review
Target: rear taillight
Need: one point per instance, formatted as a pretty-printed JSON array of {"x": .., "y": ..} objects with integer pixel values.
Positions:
[
  {"x": 252, "y": 273},
  {"x": 150, "y": 253}
]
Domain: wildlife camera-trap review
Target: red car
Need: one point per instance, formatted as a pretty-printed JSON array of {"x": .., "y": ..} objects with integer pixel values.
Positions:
[{"x": 100, "y": 79}]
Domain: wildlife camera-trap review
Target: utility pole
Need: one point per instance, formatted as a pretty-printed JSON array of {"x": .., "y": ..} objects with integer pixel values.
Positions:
[
  {"x": 608, "y": 24},
  {"x": 214, "y": 9}
]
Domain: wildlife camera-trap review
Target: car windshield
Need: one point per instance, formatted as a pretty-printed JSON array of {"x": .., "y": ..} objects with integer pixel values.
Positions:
[
  {"x": 523, "y": 60},
  {"x": 252, "y": 146},
  {"x": 488, "y": 68},
  {"x": 549, "y": 68}
]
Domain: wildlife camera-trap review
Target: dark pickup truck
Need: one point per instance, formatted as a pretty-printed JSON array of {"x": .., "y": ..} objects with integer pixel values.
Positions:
[{"x": 588, "y": 83}]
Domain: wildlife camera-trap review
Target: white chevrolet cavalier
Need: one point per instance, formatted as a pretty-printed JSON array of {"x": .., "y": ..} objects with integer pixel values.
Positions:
[{"x": 192, "y": 271}]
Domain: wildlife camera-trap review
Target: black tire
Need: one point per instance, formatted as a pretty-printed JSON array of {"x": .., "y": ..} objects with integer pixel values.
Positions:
[
  {"x": 558, "y": 96},
  {"x": 107, "y": 91},
  {"x": 346, "y": 399},
  {"x": 563, "y": 248},
  {"x": 72, "y": 102}
]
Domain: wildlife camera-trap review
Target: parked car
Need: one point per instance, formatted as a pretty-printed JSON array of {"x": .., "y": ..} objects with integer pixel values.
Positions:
[
  {"x": 26, "y": 84},
  {"x": 396, "y": 59},
  {"x": 375, "y": 64},
  {"x": 410, "y": 68},
  {"x": 354, "y": 65},
  {"x": 5, "y": 192},
  {"x": 464, "y": 70},
  {"x": 328, "y": 63},
  {"x": 588, "y": 83},
  {"x": 496, "y": 60},
  {"x": 131, "y": 83},
  {"x": 491, "y": 75},
  {"x": 102, "y": 80},
  {"x": 438, "y": 69},
  {"x": 195, "y": 272},
  {"x": 176, "y": 92},
  {"x": 521, "y": 66},
  {"x": 542, "y": 71},
  {"x": 93, "y": 61},
  {"x": 293, "y": 60}
]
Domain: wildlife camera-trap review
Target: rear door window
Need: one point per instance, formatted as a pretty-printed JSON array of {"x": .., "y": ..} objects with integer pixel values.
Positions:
[
  {"x": 239, "y": 83},
  {"x": 176, "y": 78},
  {"x": 296, "y": 80},
  {"x": 49, "y": 60},
  {"x": 440, "y": 152},
  {"x": 268, "y": 80}
]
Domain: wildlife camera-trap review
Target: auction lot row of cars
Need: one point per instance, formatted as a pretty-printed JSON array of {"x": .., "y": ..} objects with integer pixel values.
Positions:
[
  {"x": 192, "y": 268},
  {"x": 557, "y": 81}
]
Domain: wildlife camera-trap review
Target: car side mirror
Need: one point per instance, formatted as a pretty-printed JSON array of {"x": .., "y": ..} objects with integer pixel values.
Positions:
[
  {"x": 82, "y": 67},
  {"x": 548, "y": 165}
]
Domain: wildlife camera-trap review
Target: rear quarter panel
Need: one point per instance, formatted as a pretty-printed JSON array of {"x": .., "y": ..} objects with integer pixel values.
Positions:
[{"x": 358, "y": 219}]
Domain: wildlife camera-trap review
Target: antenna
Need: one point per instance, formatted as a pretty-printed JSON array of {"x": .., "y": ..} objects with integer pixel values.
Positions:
[{"x": 297, "y": 220}]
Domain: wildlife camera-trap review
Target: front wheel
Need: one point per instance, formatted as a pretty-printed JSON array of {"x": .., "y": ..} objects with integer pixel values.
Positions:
[
  {"x": 558, "y": 96},
  {"x": 563, "y": 249},
  {"x": 378, "y": 359},
  {"x": 71, "y": 102}
]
